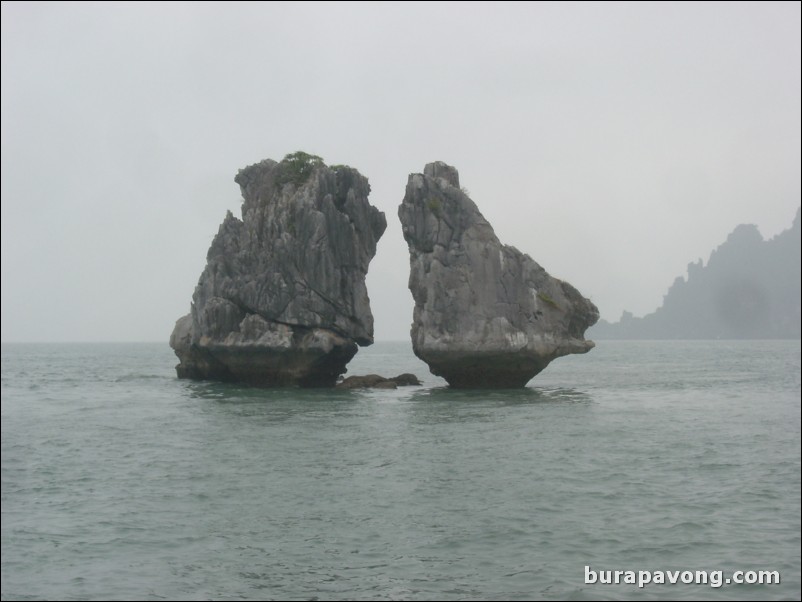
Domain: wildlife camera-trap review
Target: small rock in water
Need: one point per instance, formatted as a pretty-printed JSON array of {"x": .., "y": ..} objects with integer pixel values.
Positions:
[{"x": 375, "y": 381}]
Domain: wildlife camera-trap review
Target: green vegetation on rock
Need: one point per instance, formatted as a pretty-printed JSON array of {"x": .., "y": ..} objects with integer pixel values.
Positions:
[
  {"x": 296, "y": 168},
  {"x": 435, "y": 206},
  {"x": 548, "y": 300}
]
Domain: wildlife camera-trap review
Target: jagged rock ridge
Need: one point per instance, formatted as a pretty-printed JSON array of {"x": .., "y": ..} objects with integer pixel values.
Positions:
[
  {"x": 486, "y": 315},
  {"x": 749, "y": 289},
  {"x": 282, "y": 299}
]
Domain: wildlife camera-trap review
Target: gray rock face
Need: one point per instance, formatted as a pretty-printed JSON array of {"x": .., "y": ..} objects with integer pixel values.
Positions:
[
  {"x": 486, "y": 315},
  {"x": 374, "y": 381},
  {"x": 282, "y": 299}
]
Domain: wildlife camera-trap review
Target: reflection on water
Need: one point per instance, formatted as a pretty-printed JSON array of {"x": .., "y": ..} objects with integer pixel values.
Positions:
[
  {"x": 238, "y": 394},
  {"x": 421, "y": 405},
  {"x": 235, "y": 393},
  {"x": 502, "y": 397},
  {"x": 442, "y": 405}
]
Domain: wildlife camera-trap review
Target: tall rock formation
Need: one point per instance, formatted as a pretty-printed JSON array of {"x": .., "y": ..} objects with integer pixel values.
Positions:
[
  {"x": 486, "y": 315},
  {"x": 282, "y": 299}
]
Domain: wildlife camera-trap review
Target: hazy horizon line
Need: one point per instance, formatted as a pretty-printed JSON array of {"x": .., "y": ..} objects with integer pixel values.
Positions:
[{"x": 597, "y": 341}]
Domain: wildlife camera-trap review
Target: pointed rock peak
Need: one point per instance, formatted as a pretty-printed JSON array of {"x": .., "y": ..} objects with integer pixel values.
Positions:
[
  {"x": 745, "y": 233},
  {"x": 438, "y": 169},
  {"x": 486, "y": 315}
]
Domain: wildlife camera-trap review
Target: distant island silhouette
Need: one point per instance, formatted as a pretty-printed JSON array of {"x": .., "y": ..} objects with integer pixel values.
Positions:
[{"x": 749, "y": 289}]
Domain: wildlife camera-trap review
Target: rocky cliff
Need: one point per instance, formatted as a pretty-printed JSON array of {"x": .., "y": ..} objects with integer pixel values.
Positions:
[
  {"x": 486, "y": 315},
  {"x": 282, "y": 299}
]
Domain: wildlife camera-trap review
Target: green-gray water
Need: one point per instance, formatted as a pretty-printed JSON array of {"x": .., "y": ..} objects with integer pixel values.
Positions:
[{"x": 121, "y": 482}]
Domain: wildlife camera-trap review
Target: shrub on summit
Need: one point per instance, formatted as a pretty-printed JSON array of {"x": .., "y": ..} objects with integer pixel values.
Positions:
[{"x": 296, "y": 168}]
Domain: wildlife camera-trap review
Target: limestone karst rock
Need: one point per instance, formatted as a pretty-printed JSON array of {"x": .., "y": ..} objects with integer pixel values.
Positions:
[
  {"x": 282, "y": 300},
  {"x": 486, "y": 315},
  {"x": 750, "y": 288},
  {"x": 374, "y": 381}
]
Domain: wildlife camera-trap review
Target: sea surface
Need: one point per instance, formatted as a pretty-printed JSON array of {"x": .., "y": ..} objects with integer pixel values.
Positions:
[{"x": 121, "y": 482}]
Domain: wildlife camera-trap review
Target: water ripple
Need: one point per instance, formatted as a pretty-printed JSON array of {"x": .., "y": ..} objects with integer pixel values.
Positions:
[{"x": 121, "y": 482}]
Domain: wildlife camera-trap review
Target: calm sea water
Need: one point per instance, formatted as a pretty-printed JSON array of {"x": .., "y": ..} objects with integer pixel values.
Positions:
[{"x": 121, "y": 482}]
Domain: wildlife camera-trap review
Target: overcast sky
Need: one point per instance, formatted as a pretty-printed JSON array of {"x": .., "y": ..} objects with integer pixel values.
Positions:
[{"x": 613, "y": 143}]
